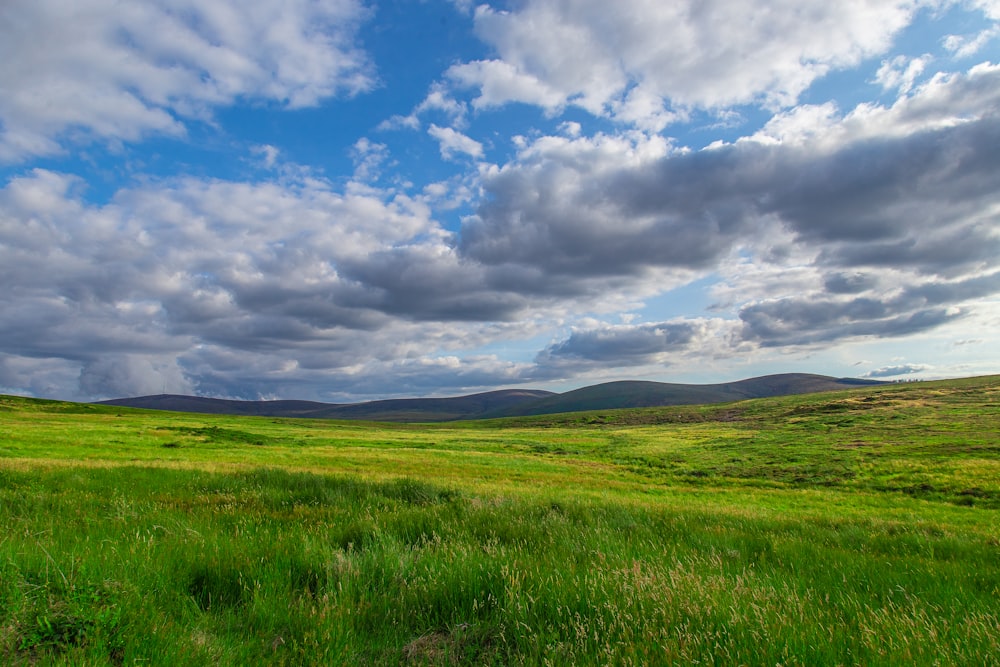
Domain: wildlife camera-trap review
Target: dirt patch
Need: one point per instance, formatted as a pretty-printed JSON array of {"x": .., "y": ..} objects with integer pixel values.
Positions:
[{"x": 436, "y": 648}]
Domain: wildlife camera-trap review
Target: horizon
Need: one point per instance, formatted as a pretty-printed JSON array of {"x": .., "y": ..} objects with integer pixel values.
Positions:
[
  {"x": 861, "y": 381},
  {"x": 343, "y": 202}
]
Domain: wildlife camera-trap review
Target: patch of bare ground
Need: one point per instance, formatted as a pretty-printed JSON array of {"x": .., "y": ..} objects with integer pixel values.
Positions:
[{"x": 436, "y": 648}]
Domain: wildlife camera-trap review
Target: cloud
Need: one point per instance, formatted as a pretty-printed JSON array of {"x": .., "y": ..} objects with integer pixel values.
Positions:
[
  {"x": 797, "y": 222},
  {"x": 127, "y": 375},
  {"x": 895, "y": 371},
  {"x": 500, "y": 83},
  {"x": 901, "y": 72},
  {"x": 268, "y": 155},
  {"x": 600, "y": 346},
  {"x": 236, "y": 289},
  {"x": 452, "y": 142},
  {"x": 621, "y": 59},
  {"x": 963, "y": 46},
  {"x": 438, "y": 100},
  {"x": 611, "y": 343},
  {"x": 104, "y": 70},
  {"x": 368, "y": 158}
]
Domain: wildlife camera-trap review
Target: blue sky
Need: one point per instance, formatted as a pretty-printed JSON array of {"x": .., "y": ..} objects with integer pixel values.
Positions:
[{"x": 339, "y": 200}]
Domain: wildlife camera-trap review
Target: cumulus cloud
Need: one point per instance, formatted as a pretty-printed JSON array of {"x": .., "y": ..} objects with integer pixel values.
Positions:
[
  {"x": 965, "y": 46},
  {"x": 368, "y": 157},
  {"x": 121, "y": 71},
  {"x": 901, "y": 72},
  {"x": 617, "y": 205},
  {"x": 622, "y": 59},
  {"x": 451, "y": 142},
  {"x": 241, "y": 289},
  {"x": 597, "y": 346},
  {"x": 830, "y": 206},
  {"x": 896, "y": 371},
  {"x": 500, "y": 83}
]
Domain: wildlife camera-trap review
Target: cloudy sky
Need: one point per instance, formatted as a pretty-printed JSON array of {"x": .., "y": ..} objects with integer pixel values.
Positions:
[{"x": 342, "y": 200}]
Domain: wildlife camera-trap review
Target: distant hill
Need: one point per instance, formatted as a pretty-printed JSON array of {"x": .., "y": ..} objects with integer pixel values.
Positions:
[
  {"x": 220, "y": 406},
  {"x": 636, "y": 394},
  {"x": 508, "y": 402},
  {"x": 435, "y": 409},
  {"x": 394, "y": 410}
]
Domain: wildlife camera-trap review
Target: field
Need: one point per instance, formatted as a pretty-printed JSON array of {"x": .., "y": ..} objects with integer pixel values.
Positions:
[{"x": 858, "y": 527}]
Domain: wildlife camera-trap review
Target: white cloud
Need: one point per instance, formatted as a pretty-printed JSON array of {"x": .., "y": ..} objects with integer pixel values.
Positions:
[
  {"x": 901, "y": 72},
  {"x": 624, "y": 59},
  {"x": 965, "y": 46},
  {"x": 368, "y": 159},
  {"x": 452, "y": 141},
  {"x": 945, "y": 100},
  {"x": 101, "y": 69},
  {"x": 500, "y": 82},
  {"x": 268, "y": 155},
  {"x": 438, "y": 99}
]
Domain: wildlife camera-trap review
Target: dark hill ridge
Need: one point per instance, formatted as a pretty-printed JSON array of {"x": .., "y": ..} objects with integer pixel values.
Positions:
[
  {"x": 395, "y": 410},
  {"x": 434, "y": 409},
  {"x": 638, "y": 394},
  {"x": 509, "y": 402},
  {"x": 221, "y": 406}
]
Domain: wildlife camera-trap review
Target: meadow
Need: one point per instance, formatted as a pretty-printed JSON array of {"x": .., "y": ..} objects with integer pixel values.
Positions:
[{"x": 857, "y": 527}]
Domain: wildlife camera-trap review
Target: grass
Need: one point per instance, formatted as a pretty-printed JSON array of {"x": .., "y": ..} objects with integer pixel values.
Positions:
[{"x": 857, "y": 527}]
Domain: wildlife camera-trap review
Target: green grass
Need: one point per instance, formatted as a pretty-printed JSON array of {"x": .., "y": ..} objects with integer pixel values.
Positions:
[{"x": 858, "y": 527}]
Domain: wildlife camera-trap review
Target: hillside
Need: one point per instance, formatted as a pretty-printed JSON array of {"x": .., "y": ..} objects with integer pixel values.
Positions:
[
  {"x": 395, "y": 410},
  {"x": 508, "y": 402},
  {"x": 221, "y": 406},
  {"x": 632, "y": 394}
]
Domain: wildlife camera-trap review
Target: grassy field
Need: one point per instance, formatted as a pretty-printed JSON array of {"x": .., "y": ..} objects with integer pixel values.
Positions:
[{"x": 858, "y": 527}]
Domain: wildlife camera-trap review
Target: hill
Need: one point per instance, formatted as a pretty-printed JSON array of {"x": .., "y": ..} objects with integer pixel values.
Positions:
[
  {"x": 220, "y": 406},
  {"x": 635, "y": 394},
  {"x": 394, "y": 410},
  {"x": 508, "y": 402}
]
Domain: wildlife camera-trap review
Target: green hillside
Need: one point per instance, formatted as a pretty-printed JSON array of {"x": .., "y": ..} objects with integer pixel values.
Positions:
[{"x": 853, "y": 527}]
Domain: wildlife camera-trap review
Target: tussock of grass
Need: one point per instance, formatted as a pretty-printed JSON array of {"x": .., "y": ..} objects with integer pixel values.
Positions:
[{"x": 836, "y": 535}]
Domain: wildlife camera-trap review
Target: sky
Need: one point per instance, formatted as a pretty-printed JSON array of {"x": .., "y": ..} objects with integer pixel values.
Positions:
[{"x": 342, "y": 200}]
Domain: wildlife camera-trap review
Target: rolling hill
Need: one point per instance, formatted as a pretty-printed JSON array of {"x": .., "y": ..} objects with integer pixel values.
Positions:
[
  {"x": 508, "y": 402},
  {"x": 637, "y": 394},
  {"x": 393, "y": 410}
]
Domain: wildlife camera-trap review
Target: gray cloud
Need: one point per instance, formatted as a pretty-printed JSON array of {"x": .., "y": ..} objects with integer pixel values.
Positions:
[
  {"x": 588, "y": 208},
  {"x": 895, "y": 371},
  {"x": 911, "y": 309},
  {"x": 848, "y": 202},
  {"x": 849, "y": 283},
  {"x": 912, "y": 202},
  {"x": 118, "y": 375},
  {"x": 616, "y": 344}
]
